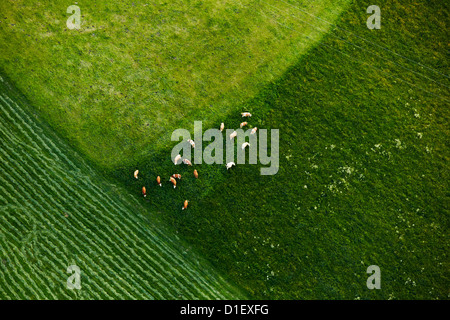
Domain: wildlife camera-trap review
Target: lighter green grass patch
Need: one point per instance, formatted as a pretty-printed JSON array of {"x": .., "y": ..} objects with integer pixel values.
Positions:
[{"x": 117, "y": 87}]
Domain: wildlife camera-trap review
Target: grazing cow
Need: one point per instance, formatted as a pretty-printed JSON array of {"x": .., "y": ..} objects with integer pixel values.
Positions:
[
  {"x": 186, "y": 161},
  {"x": 158, "y": 181},
  {"x": 246, "y": 114},
  {"x": 233, "y": 134},
  {"x": 196, "y": 174},
  {"x": 222, "y": 126},
  {"x": 243, "y": 124},
  {"x": 254, "y": 130},
  {"x": 176, "y": 175},
  {"x": 230, "y": 164},
  {"x": 185, "y": 205},
  {"x": 144, "y": 191},
  {"x": 178, "y": 157},
  {"x": 174, "y": 182},
  {"x": 136, "y": 174},
  {"x": 191, "y": 142},
  {"x": 244, "y": 145}
]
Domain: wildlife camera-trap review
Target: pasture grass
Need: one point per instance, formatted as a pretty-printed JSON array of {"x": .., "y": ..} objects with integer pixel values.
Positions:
[
  {"x": 135, "y": 70},
  {"x": 363, "y": 176},
  {"x": 57, "y": 211}
]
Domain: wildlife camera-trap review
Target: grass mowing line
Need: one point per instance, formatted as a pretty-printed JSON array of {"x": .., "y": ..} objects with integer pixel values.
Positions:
[
  {"x": 21, "y": 274},
  {"x": 390, "y": 75},
  {"x": 145, "y": 244},
  {"x": 51, "y": 188},
  {"x": 21, "y": 269},
  {"x": 161, "y": 235},
  {"x": 30, "y": 270},
  {"x": 61, "y": 189},
  {"x": 24, "y": 272},
  {"x": 59, "y": 291},
  {"x": 91, "y": 284},
  {"x": 13, "y": 292},
  {"x": 80, "y": 244},
  {"x": 234, "y": 102}
]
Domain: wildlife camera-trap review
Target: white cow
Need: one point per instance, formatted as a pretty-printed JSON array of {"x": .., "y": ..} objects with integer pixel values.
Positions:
[
  {"x": 244, "y": 145},
  {"x": 178, "y": 157},
  {"x": 192, "y": 143},
  {"x": 230, "y": 164}
]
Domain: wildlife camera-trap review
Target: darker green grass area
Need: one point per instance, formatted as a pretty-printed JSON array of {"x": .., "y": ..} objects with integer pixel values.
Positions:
[{"x": 363, "y": 176}]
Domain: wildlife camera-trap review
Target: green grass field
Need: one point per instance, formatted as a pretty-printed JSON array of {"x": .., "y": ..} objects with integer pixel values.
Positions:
[
  {"x": 135, "y": 71},
  {"x": 363, "y": 118},
  {"x": 56, "y": 211}
]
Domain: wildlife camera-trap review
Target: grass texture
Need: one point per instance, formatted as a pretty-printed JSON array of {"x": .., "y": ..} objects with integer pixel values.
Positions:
[
  {"x": 363, "y": 118},
  {"x": 56, "y": 211},
  {"x": 135, "y": 70}
]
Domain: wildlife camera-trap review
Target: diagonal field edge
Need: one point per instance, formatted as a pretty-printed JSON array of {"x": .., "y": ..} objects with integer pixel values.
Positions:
[
  {"x": 212, "y": 287},
  {"x": 256, "y": 52}
]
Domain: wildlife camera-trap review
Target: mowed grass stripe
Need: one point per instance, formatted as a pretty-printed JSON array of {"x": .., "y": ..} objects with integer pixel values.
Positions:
[
  {"x": 3, "y": 291},
  {"x": 28, "y": 268},
  {"x": 50, "y": 207},
  {"x": 60, "y": 189},
  {"x": 10, "y": 279},
  {"x": 17, "y": 253},
  {"x": 98, "y": 196},
  {"x": 77, "y": 244},
  {"x": 35, "y": 173},
  {"x": 64, "y": 293},
  {"x": 164, "y": 248},
  {"x": 50, "y": 226},
  {"x": 31, "y": 128},
  {"x": 19, "y": 273}
]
